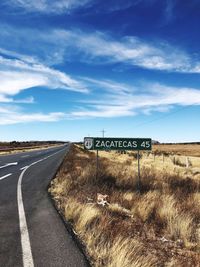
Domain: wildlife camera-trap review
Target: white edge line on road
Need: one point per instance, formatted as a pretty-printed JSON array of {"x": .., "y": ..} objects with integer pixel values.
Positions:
[
  {"x": 5, "y": 176},
  {"x": 25, "y": 156},
  {"x": 25, "y": 240}
]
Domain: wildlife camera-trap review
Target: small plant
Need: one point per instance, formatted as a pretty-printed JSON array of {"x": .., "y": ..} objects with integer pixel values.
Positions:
[{"x": 177, "y": 161}]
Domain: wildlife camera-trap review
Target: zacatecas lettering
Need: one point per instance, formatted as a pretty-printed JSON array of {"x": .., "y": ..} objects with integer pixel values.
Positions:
[{"x": 115, "y": 144}]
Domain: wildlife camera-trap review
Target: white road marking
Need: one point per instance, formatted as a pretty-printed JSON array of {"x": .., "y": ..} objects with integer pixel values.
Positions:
[
  {"x": 5, "y": 176},
  {"x": 25, "y": 156},
  {"x": 23, "y": 168},
  {"x": 25, "y": 240},
  {"x": 8, "y": 164}
]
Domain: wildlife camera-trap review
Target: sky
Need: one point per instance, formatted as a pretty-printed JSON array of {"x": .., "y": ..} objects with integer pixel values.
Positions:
[{"x": 71, "y": 68}]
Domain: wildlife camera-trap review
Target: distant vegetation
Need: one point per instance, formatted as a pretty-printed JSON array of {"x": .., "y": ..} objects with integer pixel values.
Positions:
[
  {"x": 188, "y": 149},
  {"x": 27, "y": 143},
  {"x": 22, "y": 146},
  {"x": 121, "y": 227}
]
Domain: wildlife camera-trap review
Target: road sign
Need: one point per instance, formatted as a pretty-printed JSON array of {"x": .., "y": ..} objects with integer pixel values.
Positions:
[{"x": 98, "y": 143}]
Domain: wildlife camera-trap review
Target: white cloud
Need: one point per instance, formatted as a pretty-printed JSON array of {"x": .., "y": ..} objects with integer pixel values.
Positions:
[
  {"x": 36, "y": 74},
  {"x": 109, "y": 99},
  {"x": 14, "y": 54},
  {"x": 111, "y": 103},
  {"x": 28, "y": 100},
  {"x": 101, "y": 48},
  {"x": 132, "y": 51},
  {"x": 18, "y": 75},
  {"x": 155, "y": 97},
  {"x": 169, "y": 10},
  {"x": 109, "y": 85},
  {"x": 13, "y": 115},
  {"x": 63, "y": 6},
  {"x": 12, "y": 82},
  {"x": 48, "y": 6},
  {"x": 53, "y": 47},
  {"x": 4, "y": 99},
  {"x": 104, "y": 111}
]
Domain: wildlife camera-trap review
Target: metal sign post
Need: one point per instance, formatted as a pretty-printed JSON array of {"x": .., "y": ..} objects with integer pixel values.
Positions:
[
  {"x": 139, "y": 182},
  {"x": 97, "y": 164}
]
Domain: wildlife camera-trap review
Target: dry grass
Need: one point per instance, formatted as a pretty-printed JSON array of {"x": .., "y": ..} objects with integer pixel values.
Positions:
[
  {"x": 179, "y": 149},
  {"x": 130, "y": 252},
  {"x": 179, "y": 225},
  {"x": 158, "y": 226},
  {"x": 25, "y": 149}
]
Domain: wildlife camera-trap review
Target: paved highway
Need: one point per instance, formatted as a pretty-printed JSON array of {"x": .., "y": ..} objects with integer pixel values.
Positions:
[{"x": 31, "y": 231}]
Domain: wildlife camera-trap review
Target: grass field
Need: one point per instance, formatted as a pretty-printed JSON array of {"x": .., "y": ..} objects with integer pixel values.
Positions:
[
  {"x": 158, "y": 226},
  {"x": 178, "y": 149},
  {"x": 17, "y": 147}
]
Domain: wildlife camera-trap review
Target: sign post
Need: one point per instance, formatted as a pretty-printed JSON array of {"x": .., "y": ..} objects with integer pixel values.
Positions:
[
  {"x": 108, "y": 143},
  {"x": 138, "y": 158},
  {"x": 97, "y": 164}
]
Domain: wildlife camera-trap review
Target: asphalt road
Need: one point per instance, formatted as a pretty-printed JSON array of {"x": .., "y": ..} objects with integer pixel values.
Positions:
[{"x": 31, "y": 231}]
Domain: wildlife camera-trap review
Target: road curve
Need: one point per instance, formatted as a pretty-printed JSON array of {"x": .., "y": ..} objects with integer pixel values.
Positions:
[{"x": 31, "y": 231}]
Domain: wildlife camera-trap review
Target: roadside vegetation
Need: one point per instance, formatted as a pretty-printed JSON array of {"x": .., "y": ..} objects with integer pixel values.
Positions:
[
  {"x": 121, "y": 227},
  {"x": 15, "y": 146}
]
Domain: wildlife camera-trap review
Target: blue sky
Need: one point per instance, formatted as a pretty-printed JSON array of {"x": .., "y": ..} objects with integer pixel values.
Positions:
[{"x": 70, "y": 68}]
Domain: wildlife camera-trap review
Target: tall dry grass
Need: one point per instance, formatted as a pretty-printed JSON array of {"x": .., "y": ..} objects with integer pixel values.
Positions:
[
  {"x": 179, "y": 149},
  {"x": 158, "y": 226}
]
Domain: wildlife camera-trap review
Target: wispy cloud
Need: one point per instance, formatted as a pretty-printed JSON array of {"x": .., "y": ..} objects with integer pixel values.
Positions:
[
  {"x": 103, "y": 111},
  {"x": 169, "y": 11},
  {"x": 28, "y": 100},
  {"x": 107, "y": 103},
  {"x": 108, "y": 85},
  {"x": 102, "y": 48},
  {"x": 5, "y": 99},
  {"x": 18, "y": 75},
  {"x": 48, "y": 6},
  {"x": 57, "y": 46},
  {"x": 155, "y": 97},
  {"x": 105, "y": 98},
  {"x": 13, "y": 115},
  {"x": 66, "y": 6},
  {"x": 110, "y": 6}
]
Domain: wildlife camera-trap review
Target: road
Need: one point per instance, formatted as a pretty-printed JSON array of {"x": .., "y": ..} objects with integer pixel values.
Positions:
[{"x": 31, "y": 231}]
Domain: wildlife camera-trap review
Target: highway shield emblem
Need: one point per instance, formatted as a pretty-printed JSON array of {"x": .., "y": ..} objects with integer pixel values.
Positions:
[{"x": 88, "y": 143}]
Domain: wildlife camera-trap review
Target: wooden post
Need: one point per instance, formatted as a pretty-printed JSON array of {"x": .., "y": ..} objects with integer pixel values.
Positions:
[
  {"x": 163, "y": 158},
  {"x": 139, "y": 182}
]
